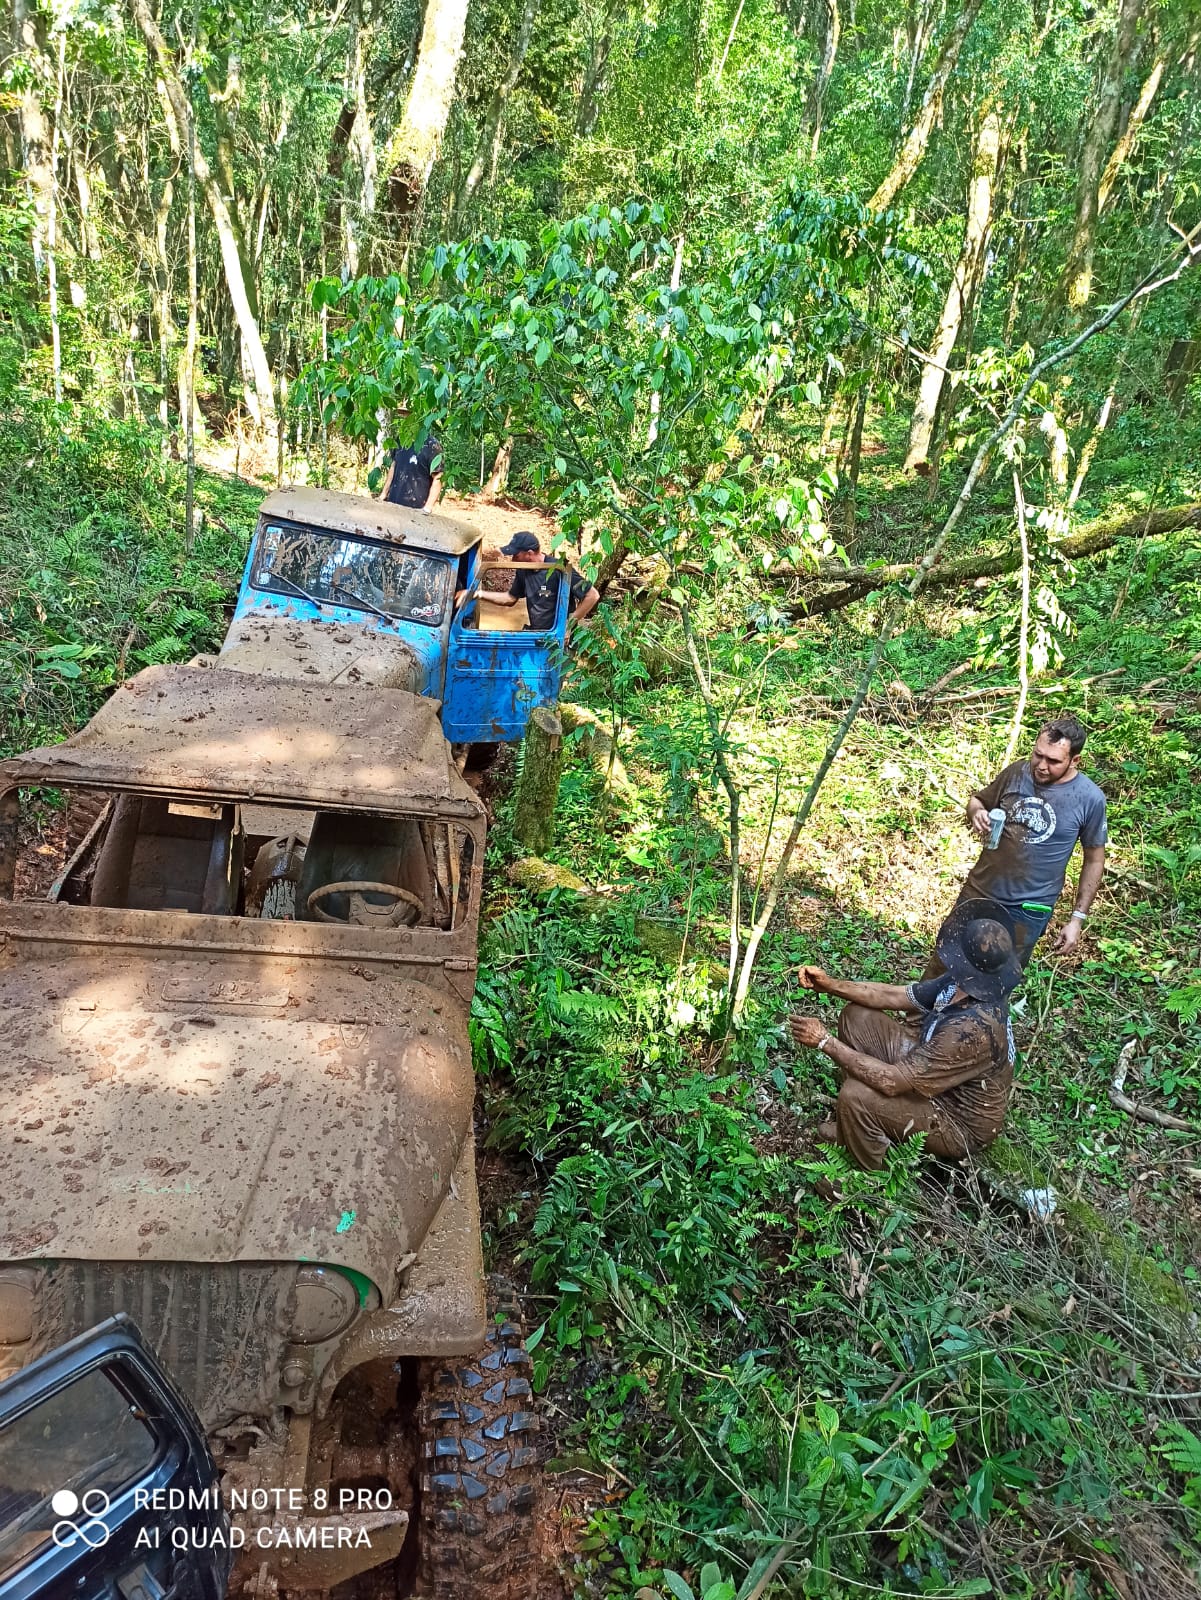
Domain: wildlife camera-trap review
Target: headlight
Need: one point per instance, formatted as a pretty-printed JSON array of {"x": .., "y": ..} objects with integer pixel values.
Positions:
[
  {"x": 325, "y": 1302},
  {"x": 17, "y": 1298}
]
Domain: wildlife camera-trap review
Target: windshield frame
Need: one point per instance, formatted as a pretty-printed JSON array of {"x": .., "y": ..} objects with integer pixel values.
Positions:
[{"x": 262, "y": 559}]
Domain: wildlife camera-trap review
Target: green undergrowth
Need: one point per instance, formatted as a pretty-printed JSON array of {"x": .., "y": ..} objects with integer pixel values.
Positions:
[
  {"x": 95, "y": 578},
  {"x": 919, "y": 1387}
]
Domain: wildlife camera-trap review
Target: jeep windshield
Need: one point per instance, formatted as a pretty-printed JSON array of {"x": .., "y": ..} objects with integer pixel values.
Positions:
[{"x": 360, "y": 574}]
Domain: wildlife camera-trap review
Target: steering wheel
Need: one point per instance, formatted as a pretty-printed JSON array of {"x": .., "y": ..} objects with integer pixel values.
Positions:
[{"x": 405, "y": 912}]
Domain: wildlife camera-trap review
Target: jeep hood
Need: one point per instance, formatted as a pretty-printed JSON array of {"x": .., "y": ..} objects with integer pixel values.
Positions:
[
  {"x": 279, "y": 645},
  {"x": 227, "y": 1110}
]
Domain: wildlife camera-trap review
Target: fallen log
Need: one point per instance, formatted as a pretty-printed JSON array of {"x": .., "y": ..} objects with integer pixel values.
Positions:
[
  {"x": 597, "y": 744},
  {"x": 666, "y": 941},
  {"x": 1132, "y": 1108},
  {"x": 856, "y": 582}
]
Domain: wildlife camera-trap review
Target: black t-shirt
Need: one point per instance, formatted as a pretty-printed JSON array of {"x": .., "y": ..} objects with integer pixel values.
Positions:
[
  {"x": 540, "y": 591},
  {"x": 413, "y": 472}
]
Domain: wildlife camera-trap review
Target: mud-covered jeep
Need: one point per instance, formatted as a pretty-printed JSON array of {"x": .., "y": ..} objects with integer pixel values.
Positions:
[
  {"x": 353, "y": 590},
  {"x": 236, "y": 1103}
]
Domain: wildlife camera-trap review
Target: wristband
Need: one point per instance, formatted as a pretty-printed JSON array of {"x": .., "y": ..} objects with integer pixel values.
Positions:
[
  {"x": 1081, "y": 916},
  {"x": 823, "y": 1042}
]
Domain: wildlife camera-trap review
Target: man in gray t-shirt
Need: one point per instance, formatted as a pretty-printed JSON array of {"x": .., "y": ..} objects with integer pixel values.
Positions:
[{"x": 1049, "y": 805}]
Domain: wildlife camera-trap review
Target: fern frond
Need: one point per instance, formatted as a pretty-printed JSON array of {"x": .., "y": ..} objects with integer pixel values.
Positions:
[{"x": 1182, "y": 1449}]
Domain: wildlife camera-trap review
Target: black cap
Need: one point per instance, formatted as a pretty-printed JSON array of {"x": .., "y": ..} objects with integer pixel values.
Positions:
[
  {"x": 519, "y": 543},
  {"x": 976, "y": 945}
]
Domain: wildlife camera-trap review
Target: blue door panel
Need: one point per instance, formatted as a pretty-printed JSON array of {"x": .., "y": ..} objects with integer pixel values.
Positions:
[{"x": 494, "y": 680}]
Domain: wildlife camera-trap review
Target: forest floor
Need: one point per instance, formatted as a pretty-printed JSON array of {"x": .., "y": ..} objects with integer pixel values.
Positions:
[{"x": 922, "y": 1387}]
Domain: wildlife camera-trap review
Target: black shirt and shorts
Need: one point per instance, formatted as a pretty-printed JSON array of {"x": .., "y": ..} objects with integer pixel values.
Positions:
[
  {"x": 413, "y": 473},
  {"x": 540, "y": 591}
]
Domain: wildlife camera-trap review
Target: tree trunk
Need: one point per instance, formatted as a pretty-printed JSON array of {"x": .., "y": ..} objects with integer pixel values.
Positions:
[
  {"x": 1125, "y": 144},
  {"x": 179, "y": 112},
  {"x": 538, "y": 786},
  {"x": 162, "y": 301},
  {"x": 918, "y": 39},
  {"x": 187, "y": 385},
  {"x": 56, "y": 347},
  {"x": 860, "y": 581},
  {"x": 1019, "y": 711},
  {"x": 34, "y": 125},
  {"x": 498, "y": 480},
  {"x": 1077, "y": 282},
  {"x": 721, "y": 65},
  {"x": 1181, "y": 366},
  {"x": 914, "y": 147},
  {"x": 817, "y": 95},
  {"x": 413, "y": 148},
  {"x": 488, "y": 150},
  {"x": 353, "y": 135},
  {"x": 979, "y": 213},
  {"x": 856, "y": 453},
  {"x": 677, "y": 268},
  {"x": 593, "y": 85}
]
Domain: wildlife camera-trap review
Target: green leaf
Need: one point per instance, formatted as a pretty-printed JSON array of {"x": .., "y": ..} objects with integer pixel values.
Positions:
[
  {"x": 677, "y": 1585},
  {"x": 542, "y": 353}
]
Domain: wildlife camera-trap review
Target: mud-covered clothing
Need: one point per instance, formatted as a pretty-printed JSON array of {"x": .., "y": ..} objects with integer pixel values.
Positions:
[
  {"x": 1042, "y": 825},
  {"x": 955, "y": 1061},
  {"x": 413, "y": 473},
  {"x": 540, "y": 591}
]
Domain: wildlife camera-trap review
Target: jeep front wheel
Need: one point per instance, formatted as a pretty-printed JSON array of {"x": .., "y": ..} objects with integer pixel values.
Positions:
[{"x": 480, "y": 1474}]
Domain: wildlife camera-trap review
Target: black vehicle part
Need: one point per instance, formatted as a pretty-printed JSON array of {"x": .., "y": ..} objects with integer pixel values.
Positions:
[
  {"x": 480, "y": 1474},
  {"x": 108, "y": 1490}
]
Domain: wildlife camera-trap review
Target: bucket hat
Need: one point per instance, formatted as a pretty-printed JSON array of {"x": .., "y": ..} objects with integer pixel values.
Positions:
[{"x": 976, "y": 945}]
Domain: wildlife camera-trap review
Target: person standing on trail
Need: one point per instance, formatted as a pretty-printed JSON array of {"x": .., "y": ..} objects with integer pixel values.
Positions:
[
  {"x": 540, "y": 589},
  {"x": 947, "y": 1070},
  {"x": 1048, "y": 805},
  {"x": 415, "y": 476}
]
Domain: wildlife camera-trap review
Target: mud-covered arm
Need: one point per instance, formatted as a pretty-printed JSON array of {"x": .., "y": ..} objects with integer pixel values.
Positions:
[
  {"x": 875, "y": 996},
  {"x": 878, "y": 1075}
]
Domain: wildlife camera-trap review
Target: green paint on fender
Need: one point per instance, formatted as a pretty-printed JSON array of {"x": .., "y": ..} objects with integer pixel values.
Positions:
[{"x": 346, "y": 1222}]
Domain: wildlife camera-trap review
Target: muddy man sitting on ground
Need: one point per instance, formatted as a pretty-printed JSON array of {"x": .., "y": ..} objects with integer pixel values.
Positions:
[{"x": 947, "y": 1070}]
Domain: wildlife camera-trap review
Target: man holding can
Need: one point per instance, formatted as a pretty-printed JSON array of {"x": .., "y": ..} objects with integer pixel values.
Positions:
[{"x": 1037, "y": 810}]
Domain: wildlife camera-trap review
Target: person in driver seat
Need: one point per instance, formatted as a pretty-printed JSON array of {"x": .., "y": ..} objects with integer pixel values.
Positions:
[{"x": 540, "y": 589}]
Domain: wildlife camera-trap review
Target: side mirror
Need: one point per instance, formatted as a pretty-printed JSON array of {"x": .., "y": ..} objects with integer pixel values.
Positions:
[{"x": 107, "y": 1485}]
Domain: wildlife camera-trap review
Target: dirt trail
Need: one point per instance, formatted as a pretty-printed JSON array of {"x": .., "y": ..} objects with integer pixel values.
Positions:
[{"x": 499, "y": 520}]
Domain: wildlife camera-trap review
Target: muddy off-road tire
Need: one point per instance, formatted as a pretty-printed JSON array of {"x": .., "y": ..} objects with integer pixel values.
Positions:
[{"x": 480, "y": 1475}]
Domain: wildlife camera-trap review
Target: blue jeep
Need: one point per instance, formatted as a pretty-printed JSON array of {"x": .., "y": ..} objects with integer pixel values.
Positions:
[{"x": 360, "y": 591}]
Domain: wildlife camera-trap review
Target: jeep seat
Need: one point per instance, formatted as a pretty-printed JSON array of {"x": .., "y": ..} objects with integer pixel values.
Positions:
[{"x": 162, "y": 856}]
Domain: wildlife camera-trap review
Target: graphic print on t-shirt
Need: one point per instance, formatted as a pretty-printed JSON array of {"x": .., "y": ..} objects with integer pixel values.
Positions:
[{"x": 1036, "y": 815}]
